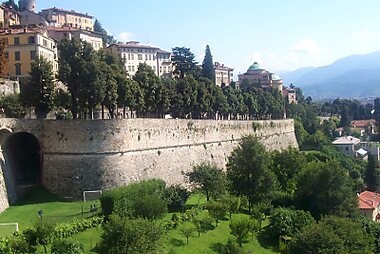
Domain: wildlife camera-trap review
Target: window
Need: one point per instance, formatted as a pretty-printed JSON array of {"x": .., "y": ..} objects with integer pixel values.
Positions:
[
  {"x": 45, "y": 43},
  {"x": 32, "y": 54},
  {"x": 16, "y": 41},
  {"x": 133, "y": 68},
  {"x": 6, "y": 55},
  {"x": 31, "y": 40},
  {"x": 17, "y": 56},
  {"x": 140, "y": 57},
  {"x": 18, "y": 69}
]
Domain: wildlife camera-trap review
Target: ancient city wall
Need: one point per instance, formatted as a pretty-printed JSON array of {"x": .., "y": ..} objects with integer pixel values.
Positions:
[{"x": 90, "y": 155}]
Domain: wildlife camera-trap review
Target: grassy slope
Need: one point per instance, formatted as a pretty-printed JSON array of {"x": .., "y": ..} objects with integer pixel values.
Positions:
[
  {"x": 210, "y": 242},
  {"x": 54, "y": 210}
]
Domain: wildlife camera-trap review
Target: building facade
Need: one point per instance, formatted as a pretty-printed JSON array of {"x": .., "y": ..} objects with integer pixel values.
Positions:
[
  {"x": 369, "y": 205},
  {"x": 223, "y": 75},
  {"x": 258, "y": 76},
  {"x": 23, "y": 46},
  {"x": 133, "y": 53},
  {"x": 64, "y": 18},
  {"x": 60, "y": 33},
  {"x": 8, "y": 17}
]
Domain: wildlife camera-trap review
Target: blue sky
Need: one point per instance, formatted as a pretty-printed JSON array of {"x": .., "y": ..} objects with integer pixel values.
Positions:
[{"x": 281, "y": 35}]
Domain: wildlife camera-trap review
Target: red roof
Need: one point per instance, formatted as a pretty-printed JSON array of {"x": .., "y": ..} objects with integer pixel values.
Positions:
[
  {"x": 363, "y": 123},
  {"x": 369, "y": 200}
]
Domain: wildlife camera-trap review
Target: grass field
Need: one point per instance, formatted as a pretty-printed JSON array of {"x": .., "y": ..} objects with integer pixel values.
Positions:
[
  {"x": 57, "y": 211},
  {"x": 54, "y": 210},
  {"x": 211, "y": 241}
]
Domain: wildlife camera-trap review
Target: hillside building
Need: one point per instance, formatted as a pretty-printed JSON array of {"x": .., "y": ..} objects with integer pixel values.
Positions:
[
  {"x": 8, "y": 18},
  {"x": 60, "y": 33},
  {"x": 258, "y": 76},
  {"x": 64, "y": 18},
  {"x": 223, "y": 75},
  {"x": 133, "y": 53},
  {"x": 24, "y": 45},
  {"x": 369, "y": 205}
]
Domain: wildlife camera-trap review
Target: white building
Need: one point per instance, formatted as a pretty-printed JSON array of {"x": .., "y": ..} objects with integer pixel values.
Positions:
[
  {"x": 347, "y": 145},
  {"x": 223, "y": 74},
  {"x": 60, "y": 33},
  {"x": 133, "y": 53}
]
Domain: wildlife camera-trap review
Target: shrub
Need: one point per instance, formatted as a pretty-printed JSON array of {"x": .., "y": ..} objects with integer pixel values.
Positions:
[
  {"x": 187, "y": 230},
  {"x": 176, "y": 197},
  {"x": 217, "y": 210},
  {"x": 149, "y": 207},
  {"x": 66, "y": 246},
  {"x": 240, "y": 228},
  {"x": 287, "y": 223},
  {"x": 122, "y": 236},
  {"x": 122, "y": 200}
]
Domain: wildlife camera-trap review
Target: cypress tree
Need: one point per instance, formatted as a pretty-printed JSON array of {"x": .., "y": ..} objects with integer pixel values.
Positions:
[
  {"x": 208, "y": 70},
  {"x": 371, "y": 176}
]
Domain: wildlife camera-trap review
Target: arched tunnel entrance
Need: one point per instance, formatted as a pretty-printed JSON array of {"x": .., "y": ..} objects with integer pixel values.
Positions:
[{"x": 21, "y": 163}]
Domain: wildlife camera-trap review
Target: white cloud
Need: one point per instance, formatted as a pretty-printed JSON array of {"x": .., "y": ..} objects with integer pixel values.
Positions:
[{"x": 124, "y": 36}]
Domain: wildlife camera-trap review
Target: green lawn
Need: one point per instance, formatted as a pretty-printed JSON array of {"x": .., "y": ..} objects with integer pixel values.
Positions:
[
  {"x": 210, "y": 242},
  {"x": 89, "y": 238},
  {"x": 54, "y": 210}
]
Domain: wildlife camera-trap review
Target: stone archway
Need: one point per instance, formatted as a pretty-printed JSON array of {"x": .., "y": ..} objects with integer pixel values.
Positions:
[{"x": 20, "y": 163}]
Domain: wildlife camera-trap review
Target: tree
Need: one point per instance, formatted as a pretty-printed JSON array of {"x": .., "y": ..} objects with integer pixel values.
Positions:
[
  {"x": 150, "y": 86},
  {"x": 287, "y": 164},
  {"x": 66, "y": 246},
  {"x": 183, "y": 61},
  {"x": 333, "y": 235},
  {"x": 325, "y": 188},
  {"x": 232, "y": 202},
  {"x": 107, "y": 38},
  {"x": 285, "y": 222},
  {"x": 208, "y": 70},
  {"x": 42, "y": 86},
  {"x": 208, "y": 178},
  {"x": 122, "y": 236},
  {"x": 249, "y": 171},
  {"x": 3, "y": 59},
  {"x": 217, "y": 210},
  {"x": 43, "y": 233},
  {"x": 187, "y": 230},
  {"x": 176, "y": 197},
  {"x": 371, "y": 175},
  {"x": 240, "y": 228},
  {"x": 12, "y": 106}
]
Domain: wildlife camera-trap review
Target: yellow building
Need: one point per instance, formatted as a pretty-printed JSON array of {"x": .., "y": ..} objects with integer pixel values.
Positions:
[
  {"x": 64, "y": 18},
  {"x": 23, "y": 46}
]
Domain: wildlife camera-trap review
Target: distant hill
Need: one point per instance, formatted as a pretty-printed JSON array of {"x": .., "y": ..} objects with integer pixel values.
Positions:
[{"x": 355, "y": 76}]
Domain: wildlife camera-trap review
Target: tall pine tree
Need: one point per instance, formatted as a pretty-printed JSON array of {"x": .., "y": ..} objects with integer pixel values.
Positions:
[{"x": 208, "y": 70}]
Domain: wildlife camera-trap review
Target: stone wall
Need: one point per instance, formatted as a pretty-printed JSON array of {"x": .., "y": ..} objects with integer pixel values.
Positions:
[{"x": 90, "y": 155}]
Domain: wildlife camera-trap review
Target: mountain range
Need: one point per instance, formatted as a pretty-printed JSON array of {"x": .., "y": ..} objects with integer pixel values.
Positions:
[{"x": 356, "y": 76}]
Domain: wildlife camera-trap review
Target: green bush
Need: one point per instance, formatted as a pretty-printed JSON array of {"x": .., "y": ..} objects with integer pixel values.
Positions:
[
  {"x": 66, "y": 246},
  {"x": 176, "y": 197},
  {"x": 76, "y": 226},
  {"x": 122, "y": 200}
]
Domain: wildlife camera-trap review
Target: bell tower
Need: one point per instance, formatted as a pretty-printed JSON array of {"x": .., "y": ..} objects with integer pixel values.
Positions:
[{"x": 27, "y": 5}]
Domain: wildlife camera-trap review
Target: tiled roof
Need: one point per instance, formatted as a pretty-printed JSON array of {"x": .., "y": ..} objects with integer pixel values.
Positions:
[
  {"x": 133, "y": 45},
  {"x": 362, "y": 123},
  {"x": 369, "y": 200},
  {"x": 67, "y": 11},
  {"x": 349, "y": 140}
]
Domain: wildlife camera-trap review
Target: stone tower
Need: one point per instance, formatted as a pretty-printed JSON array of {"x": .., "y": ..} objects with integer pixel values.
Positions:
[{"x": 27, "y": 5}]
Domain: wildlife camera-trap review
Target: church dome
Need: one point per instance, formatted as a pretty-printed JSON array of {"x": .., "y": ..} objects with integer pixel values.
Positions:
[{"x": 255, "y": 66}]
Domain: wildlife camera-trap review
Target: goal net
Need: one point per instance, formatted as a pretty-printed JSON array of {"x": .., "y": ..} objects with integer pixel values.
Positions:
[
  {"x": 7, "y": 229},
  {"x": 92, "y": 195}
]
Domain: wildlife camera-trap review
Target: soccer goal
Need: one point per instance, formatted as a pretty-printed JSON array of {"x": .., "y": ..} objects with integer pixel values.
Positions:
[
  {"x": 8, "y": 228},
  {"x": 92, "y": 195}
]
